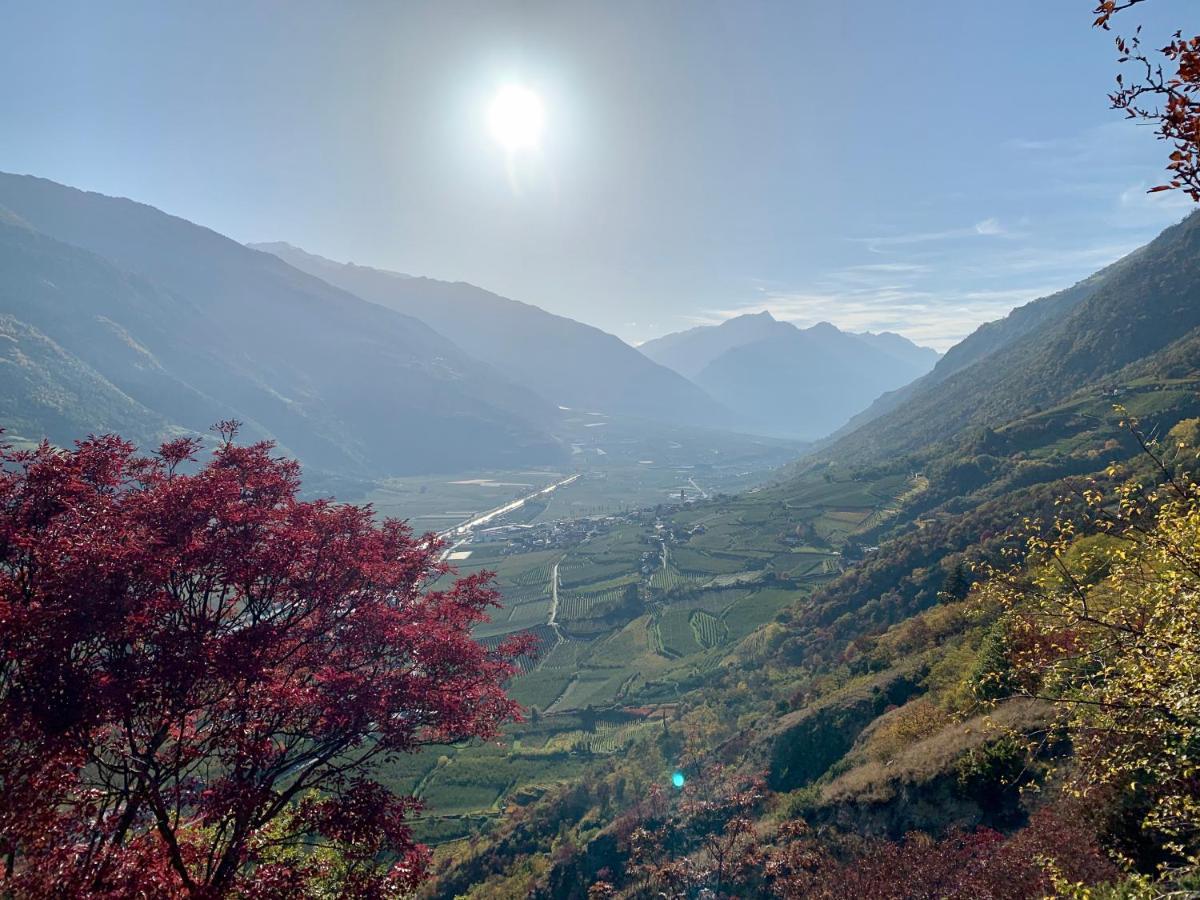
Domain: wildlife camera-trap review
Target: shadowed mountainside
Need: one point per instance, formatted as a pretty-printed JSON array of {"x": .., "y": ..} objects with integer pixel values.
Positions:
[
  {"x": 192, "y": 327},
  {"x": 564, "y": 361}
]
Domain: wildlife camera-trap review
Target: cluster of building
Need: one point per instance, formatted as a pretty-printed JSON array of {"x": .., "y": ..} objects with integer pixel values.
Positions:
[{"x": 548, "y": 535}]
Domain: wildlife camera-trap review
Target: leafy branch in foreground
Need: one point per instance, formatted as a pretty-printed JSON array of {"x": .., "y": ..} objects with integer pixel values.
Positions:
[
  {"x": 1169, "y": 100},
  {"x": 199, "y": 671}
]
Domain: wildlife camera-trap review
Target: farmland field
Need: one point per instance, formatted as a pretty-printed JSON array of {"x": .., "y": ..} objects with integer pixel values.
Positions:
[{"x": 621, "y": 631}]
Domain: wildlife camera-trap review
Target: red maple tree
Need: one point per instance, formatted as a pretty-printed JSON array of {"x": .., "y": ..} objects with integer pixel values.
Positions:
[{"x": 200, "y": 672}]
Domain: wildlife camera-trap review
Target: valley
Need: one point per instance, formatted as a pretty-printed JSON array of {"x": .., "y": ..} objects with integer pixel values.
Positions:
[
  {"x": 633, "y": 612},
  {"x": 621, "y": 464},
  {"x": 540, "y": 451},
  {"x": 823, "y": 627}
]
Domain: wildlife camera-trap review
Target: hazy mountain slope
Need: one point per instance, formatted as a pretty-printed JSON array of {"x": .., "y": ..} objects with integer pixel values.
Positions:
[
  {"x": 564, "y": 361},
  {"x": 901, "y": 348},
  {"x": 790, "y": 381},
  {"x": 117, "y": 325},
  {"x": 50, "y": 393},
  {"x": 344, "y": 384},
  {"x": 1126, "y": 313},
  {"x": 688, "y": 352}
]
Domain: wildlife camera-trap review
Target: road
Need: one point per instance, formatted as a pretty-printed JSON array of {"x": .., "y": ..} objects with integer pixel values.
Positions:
[
  {"x": 471, "y": 524},
  {"x": 553, "y": 620},
  {"x": 461, "y": 534}
]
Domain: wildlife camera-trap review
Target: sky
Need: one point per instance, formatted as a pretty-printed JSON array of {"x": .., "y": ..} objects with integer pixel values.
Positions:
[{"x": 914, "y": 167}]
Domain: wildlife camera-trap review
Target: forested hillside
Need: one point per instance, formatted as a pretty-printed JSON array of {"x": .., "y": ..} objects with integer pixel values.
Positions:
[
  {"x": 1057, "y": 345},
  {"x": 904, "y": 694}
]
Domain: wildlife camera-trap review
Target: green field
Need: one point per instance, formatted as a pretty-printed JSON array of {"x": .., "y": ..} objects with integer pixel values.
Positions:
[{"x": 630, "y": 633}]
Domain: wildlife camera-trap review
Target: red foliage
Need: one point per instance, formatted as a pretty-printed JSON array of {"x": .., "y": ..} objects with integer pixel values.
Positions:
[
  {"x": 708, "y": 844},
  {"x": 1169, "y": 100},
  {"x": 961, "y": 866},
  {"x": 186, "y": 657}
]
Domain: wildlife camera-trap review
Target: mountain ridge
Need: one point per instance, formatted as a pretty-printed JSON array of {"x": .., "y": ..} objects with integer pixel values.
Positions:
[
  {"x": 799, "y": 382},
  {"x": 1044, "y": 351},
  {"x": 568, "y": 363},
  {"x": 344, "y": 384}
]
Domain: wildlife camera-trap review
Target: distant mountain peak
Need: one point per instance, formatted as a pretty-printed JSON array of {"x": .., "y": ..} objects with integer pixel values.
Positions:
[{"x": 799, "y": 382}]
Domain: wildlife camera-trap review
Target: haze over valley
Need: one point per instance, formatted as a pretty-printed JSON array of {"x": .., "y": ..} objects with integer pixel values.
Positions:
[{"x": 600, "y": 451}]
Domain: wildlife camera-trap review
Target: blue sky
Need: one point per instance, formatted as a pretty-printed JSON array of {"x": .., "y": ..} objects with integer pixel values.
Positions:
[{"x": 918, "y": 167}]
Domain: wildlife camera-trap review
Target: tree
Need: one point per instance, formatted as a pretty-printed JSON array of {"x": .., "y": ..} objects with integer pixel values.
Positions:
[
  {"x": 1169, "y": 100},
  {"x": 706, "y": 843},
  {"x": 200, "y": 670},
  {"x": 1103, "y": 619}
]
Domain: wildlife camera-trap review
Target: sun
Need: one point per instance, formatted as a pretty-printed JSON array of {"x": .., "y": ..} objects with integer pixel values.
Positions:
[{"x": 516, "y": 117}]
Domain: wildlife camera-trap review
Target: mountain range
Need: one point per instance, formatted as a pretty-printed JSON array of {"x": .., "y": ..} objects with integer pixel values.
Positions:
[
  {"x": 167, "y": 326},
  {"x": 566, "y": 363},
  {"x": 852, "y": 675},
  {"x": 119, "y": 317},
  {"x": 882, "y": 703},
  {"x": 790, "y": 381}
]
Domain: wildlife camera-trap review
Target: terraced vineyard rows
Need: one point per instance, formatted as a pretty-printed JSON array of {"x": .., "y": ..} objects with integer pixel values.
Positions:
[
  {"x": 534, "y": 576},
  {"x": 708, "y": 629},
  {"x": 514, "y": 595},
  {"x": 668, "y": 578},
  {"x": 566, "y": 655},
  {"x": 714, "y": 601},
  {"x": 584, "y": 605},
  {"x": 608, "y": 737}
]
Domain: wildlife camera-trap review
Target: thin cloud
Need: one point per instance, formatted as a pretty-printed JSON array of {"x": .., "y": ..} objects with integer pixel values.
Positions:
[
  {"x": 935, "y": 286},
  {"x": 897, "y": 267},
  {"x": 935, "y": 302},
  {"x": 1032, "y": 145},
  {"x": 1139, "y": 208},
  {"x": 989, "y": 227}
]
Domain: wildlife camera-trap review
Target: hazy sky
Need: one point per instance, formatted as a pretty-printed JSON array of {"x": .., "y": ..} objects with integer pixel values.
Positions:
[{"x": 919, "y": 166}]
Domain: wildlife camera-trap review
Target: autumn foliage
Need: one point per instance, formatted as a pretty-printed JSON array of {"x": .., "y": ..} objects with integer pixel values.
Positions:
[
  {"x": 1103, "y": 619},
  {"x": 1167, "y": 98},
  {"x": 713, "y": 842},
  {"x": 200, "y": 672}
]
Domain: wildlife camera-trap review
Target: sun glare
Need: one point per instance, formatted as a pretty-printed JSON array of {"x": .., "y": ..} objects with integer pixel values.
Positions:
[{"x": 516, "y": 117}]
